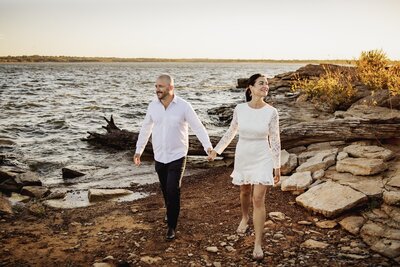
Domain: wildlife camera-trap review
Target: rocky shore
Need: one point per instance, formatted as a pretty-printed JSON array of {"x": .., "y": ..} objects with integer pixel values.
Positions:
[
  {"x": 338, "y": 203},
  {"x": 132, "y": 233}
]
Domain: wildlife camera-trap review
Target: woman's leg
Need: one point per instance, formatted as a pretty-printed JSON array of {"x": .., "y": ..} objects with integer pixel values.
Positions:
[
  {"x": 245, "y": 201},
  {"x": 258, "y": 218}
]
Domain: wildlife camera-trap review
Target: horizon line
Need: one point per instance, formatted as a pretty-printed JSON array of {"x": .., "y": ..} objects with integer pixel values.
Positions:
[
  {"x": 62, "y": 58},
  {"x": 154, "y": 59}
]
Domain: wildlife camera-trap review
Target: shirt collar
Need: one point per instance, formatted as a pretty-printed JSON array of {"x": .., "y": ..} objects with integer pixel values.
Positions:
[{"x": 174, "y": 100}]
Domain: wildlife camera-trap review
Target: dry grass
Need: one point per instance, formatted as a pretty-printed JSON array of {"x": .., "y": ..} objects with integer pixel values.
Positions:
[{"x": 335, "y": 89}]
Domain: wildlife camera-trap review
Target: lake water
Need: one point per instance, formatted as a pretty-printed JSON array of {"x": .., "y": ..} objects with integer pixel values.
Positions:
[{"x": 47, "y": 108}]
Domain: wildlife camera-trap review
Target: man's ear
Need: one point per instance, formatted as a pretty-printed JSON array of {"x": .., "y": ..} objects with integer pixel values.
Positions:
[{"x": 170, "y": 88}]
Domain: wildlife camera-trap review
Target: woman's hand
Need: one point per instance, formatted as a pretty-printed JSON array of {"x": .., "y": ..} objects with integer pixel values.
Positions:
[
  {"x": 136, "y": 159},
  {"x": 212, "y": 155},
  {"x": 277, "y": 175}
]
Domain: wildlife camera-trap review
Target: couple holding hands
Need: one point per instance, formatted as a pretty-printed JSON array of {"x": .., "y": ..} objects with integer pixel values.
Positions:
[{"x": 257, "y": 155}]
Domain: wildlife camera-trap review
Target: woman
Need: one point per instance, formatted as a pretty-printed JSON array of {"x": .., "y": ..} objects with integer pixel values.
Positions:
[{"x": 257, "y": 156}]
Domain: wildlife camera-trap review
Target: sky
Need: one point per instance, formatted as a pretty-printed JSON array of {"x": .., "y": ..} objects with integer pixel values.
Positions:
[{"x": 223, "y": 29}]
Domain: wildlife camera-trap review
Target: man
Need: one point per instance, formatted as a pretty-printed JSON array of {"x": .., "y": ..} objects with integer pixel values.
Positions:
[{"x": 167, "y": 119}]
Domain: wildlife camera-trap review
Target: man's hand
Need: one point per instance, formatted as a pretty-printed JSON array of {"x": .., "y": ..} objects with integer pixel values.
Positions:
[
  {"x": 212, "y": 155},
  {"x": 136, "y": 159}
]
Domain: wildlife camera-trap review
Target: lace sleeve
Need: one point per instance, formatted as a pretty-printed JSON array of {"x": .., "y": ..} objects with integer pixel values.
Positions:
[
  {"x": 229, "y": 135},
  {"x": 275, "y": 140}
]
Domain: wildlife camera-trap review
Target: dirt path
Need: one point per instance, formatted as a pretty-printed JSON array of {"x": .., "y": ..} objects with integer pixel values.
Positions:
[{"x": 133, "y": 233}]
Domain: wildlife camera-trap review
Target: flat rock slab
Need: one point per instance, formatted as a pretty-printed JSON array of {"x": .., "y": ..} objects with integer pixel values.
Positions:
[
  {"x": 331, "y": 199},
  {"x": 297, "y": 181},
  {"x": 372, "y": 186},
  {"x": 102, "y": 194},
  {"x": 361, "y": 166},
  {"x": 352, "y": 224},
  {"x": 371, "y": 152}
]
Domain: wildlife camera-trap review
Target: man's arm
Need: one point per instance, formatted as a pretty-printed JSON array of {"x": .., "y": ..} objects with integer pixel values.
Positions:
[
  {"x": 198, "y": 128},
  {"x": 143, "y": 138}
]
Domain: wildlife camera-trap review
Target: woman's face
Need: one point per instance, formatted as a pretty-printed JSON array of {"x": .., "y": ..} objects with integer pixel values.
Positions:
[{"x": 260, "y": 87}]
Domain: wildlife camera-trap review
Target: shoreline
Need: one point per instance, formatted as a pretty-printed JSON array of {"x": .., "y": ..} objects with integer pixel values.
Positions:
[{"x": 132, "y": 233}]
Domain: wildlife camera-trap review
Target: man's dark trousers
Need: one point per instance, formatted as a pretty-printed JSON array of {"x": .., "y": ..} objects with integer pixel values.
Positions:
[{"x": 170, "y": 176}]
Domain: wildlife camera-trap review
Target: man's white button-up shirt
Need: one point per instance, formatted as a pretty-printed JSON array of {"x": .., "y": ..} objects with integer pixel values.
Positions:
[{"x": 169, "y": 129}]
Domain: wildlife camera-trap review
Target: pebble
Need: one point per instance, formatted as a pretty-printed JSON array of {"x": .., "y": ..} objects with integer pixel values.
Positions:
[
  {"x": 305, "y": 223},
  {"x": 230, "y": 249},
  {"x": 217, "y": 264},
  {"x": 212, "y": 249}
]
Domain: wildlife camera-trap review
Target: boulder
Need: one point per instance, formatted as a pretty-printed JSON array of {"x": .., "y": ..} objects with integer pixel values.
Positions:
[
  {"x": 393, "y": 212},
  {"x": 331, "y": 199},
  {"x": 352, "y": 224},
  {"x": 342, "y": 155},
  {"x": 304, "y": 156},
  {"x": 321, "y": 160},
  {"x": 16, "y": 198},
  {"x": 361, "y": 166},
  {"x": 372, "y": 186},
  {"x": 288, "y": 162},
  {"x": 381, "y": 238},
  {"x": 102, "y": 194},
  {"x": 395, "y": 180},
  {"x": 68, "y": 173},
  {"x": 5, "y": 206},
  {"x": 371, "y": 152},
  {"x": 29, "y": 178},
  {"x": 319, "y": 174},
  {"x": 391, "y": 197},
  {"x": 35, "y": 191},
  {"x": 73, "y": 171},
  {"x": 297, "y": 181}
]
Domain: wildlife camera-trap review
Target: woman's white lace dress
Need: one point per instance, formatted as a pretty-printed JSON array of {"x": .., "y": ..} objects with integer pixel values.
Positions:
[{"x": 259, "y": 147}]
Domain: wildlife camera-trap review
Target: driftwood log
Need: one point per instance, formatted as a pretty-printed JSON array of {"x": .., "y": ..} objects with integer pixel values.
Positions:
[{"x": 360, "y": 123}]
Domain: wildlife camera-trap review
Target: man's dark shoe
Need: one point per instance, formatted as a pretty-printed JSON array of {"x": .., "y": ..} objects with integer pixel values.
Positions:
[{"x": 170, "y": 234}]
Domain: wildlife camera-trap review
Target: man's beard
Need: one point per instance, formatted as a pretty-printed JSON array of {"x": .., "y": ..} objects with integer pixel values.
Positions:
[{"x": 161, "y": 95}]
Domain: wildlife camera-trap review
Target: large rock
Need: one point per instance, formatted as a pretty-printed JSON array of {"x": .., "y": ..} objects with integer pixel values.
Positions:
[
  {"x": 102, "y": 194},
  {"x": 382, "y": 239},
  {"x": 331, "y": 199},
  {"x": 391, "y": 197},
  {"x": 35, "y": 191},
  {"x": 304, "y": 156},
  {"x": 73, "y": 171},
  {"x": 372, "y": 186},
  {"x": 12, "y": 179},
  {"x": 371, "y": 152},
  {"x": 395, "y": 180},
  {"x": 5, "y": 206},
  {"x": 7, "y": 180},
  {"x": 18, "y": 198},
  {"x": 29, "y": 178},
  {"x": 297, "y": 182},
  {"x": 352, "y": 224},
  {"x": 320, "y": 161},
  {"x": 361, "y": 166},
  {"x": 393, "y": 212},
  {"x": 288, "y": 162}
]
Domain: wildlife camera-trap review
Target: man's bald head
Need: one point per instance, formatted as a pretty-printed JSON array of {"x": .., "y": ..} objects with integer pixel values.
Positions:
[{"x": 167, "y": 79}]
